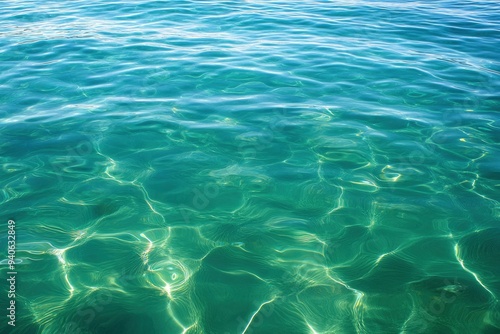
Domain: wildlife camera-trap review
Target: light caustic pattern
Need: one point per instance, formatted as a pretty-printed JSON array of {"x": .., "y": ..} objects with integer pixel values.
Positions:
[{"x": 244, "y": 167}]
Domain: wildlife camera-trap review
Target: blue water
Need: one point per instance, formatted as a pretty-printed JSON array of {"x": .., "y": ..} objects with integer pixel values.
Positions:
[{"x": 237, "y": 167}]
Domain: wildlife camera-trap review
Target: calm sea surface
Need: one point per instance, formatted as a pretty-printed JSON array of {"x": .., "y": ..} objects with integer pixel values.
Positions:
[{"x": 237, "y": 167}]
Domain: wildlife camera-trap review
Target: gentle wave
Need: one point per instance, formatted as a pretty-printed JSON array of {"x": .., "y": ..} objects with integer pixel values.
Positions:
[{"x": 253, "y": 166}]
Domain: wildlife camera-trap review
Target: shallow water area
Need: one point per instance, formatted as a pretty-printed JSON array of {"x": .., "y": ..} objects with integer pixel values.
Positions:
[{"x": 251, "y": 166}]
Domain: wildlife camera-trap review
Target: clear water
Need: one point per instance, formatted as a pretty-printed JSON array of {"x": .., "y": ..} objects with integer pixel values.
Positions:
[{"x": 251, "y": 166}]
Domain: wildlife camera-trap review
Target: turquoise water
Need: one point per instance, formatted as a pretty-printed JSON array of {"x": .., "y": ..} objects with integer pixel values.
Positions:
[{"x": 251, "y": 166}]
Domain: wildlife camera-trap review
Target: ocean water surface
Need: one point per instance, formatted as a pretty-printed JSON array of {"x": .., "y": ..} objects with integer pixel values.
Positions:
[{"x": 237, "y": 167}]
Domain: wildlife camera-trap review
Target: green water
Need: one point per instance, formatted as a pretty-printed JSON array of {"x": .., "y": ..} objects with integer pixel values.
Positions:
[{"x": 242, "y": 167}]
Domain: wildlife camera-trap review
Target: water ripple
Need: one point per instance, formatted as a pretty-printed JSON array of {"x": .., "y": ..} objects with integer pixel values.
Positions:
[{"x": 253, "y": 166}]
